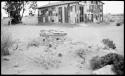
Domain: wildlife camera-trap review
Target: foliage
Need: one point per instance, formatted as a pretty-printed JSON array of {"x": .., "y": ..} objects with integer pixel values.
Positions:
[
  {"x": 110, "y": 59},
  {"x": 14, "y": 9},
  {"x": 109, "y": 43},
  {"x": 32, "y": 7}
]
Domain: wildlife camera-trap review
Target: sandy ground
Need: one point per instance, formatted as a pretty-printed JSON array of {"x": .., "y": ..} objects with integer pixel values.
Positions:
[{"x": 20, "y": 63}]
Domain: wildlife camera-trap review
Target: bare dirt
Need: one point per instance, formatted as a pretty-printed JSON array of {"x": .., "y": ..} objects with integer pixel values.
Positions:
[{"x": 24, "y": 62}]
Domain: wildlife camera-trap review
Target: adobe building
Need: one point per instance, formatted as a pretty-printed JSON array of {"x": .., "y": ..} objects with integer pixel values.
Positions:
[{"x": 71, "y": 12}]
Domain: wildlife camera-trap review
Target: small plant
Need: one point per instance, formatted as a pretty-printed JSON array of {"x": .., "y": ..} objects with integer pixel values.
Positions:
[
  {"x": 109, "y": 43},
  {"x": 81, "y": 53},
  {"x": 34, "y": 43}
]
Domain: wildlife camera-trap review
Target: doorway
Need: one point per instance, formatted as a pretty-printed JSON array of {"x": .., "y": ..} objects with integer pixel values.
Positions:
[
  {"x": 60, "y": 14},
  {"x": 81, "y": 8},
  {"x": 66, "y": 14}
]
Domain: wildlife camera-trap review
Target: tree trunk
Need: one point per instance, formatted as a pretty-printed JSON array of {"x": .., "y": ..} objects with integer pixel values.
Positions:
[{"x": 22, "y": 12}]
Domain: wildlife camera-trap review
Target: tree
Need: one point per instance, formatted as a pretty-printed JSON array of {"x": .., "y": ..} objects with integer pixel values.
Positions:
[
  {"x": 32, "y": 7},
  {"x": 14, "y": 9}
]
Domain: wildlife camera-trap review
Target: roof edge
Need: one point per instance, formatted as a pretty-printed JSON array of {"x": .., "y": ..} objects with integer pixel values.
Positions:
[{"x": 44, "y": 6}]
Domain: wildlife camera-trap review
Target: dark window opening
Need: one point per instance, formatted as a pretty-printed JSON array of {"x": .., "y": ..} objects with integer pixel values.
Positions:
[
  {"x": 50, "y": 45},
  {"x": 43, "y": 39},
  {"x": 71, "y": 8},
  {"x": 81, "y": 13},
  {"x": 60, "y": 55},
  {"x": 92, "y": 2},
  {"x": 57, "y": 38},
  {"x": 52, "y": 20},
  {"x": 60, "y": 14}
]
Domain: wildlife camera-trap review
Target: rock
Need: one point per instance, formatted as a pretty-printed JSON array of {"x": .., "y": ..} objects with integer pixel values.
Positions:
[
  {"x": 15, "y": 66},
  {"x": 106, "y": 70},
  {"x": 6, "y": 59}
]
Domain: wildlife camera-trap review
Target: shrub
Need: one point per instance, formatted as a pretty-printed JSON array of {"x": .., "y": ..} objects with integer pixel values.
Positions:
[
  {"x": 118, "y": 66},
  {"x": 6, "y": 42},
  {"x": 96, "y": 63},
  {"x": 110, "y": 59},
  {"x": 109, "y": 43}
]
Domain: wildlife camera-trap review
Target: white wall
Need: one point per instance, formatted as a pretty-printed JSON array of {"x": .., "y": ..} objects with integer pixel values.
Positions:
[{"x": 5, "y": 21}]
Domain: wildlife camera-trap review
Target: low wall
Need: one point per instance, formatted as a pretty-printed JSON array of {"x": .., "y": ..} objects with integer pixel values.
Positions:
[{"x": 32, "y": 20}]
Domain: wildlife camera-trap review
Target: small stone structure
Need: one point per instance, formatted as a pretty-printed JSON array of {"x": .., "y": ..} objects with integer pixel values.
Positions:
[{"x": 52, "y": 38}]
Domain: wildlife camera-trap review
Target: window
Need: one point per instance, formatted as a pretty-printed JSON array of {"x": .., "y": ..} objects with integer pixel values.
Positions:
[
  {"x": 75, "y": 8},
  {"x": 39, "y": 13},
  {"x": 91, "y": 2},
  {"x": 43, "y": 39},
  {"x": 56, "y": 14},
  {"x": 96, "y": 17},
  {"x": 90, "y": 8},
  {"x": 50, "y": 13},
  {"x": 71, "y": 8},
  {"x": 57, "y": 38},
  {"x": 96, "y": 2}
]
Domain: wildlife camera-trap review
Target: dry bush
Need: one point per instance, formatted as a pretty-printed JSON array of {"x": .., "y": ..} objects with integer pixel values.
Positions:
[
  {"x": 110, "y": 59},
  {"x": 109, "y": 43},
  {"x": 118, "y": 66},
  {"x": 95, "y": 63},
  {"x": 34, "y": 42},
  {"x": 6, "y": 42},
  {"x": 81, "y": 53}
]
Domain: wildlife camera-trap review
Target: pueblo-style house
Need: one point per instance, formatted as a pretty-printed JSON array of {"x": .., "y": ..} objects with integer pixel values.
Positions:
[{"x": 71, "y": 12}]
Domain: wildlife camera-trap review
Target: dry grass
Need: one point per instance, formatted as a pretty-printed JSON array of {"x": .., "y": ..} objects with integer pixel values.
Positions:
[{"x": 6, "y": 41}]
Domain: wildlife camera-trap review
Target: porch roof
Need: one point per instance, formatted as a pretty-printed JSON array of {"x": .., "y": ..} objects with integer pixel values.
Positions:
[
  {"x": 59, "y": 3},
  {"x": 56, "y": 3}
]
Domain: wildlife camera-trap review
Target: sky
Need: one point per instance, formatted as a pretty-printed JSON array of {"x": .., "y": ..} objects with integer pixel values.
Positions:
[{"x": 113, "y": 7}]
